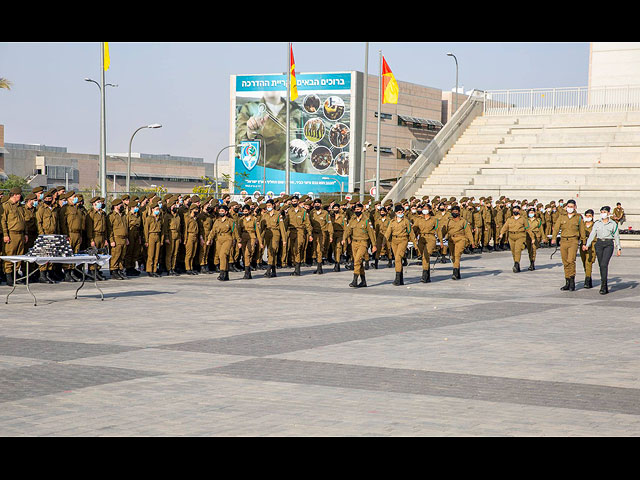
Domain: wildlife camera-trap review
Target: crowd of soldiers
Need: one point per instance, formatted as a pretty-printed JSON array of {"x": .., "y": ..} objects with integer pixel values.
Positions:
[{"x": 193, "y": 234}]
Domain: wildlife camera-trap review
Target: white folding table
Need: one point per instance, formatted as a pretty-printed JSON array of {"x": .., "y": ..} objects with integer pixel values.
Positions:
[{"x": 76, "y": 261}]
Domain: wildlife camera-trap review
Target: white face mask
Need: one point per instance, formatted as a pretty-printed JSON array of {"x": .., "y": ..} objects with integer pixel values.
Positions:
[
  {"x": 531, "y": 215},
  {"x": 269, "y": 209},
  {"x": 425, "y": 212},
  {"x": 604, "y": 216},
  {"x": 400, "y": 215},
  {"x": 588, "y": 219},
  {"x": 569, "y": 209}
]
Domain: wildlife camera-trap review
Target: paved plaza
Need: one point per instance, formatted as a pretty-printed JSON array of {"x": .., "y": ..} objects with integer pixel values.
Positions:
[{"x": 494, "y": 354}]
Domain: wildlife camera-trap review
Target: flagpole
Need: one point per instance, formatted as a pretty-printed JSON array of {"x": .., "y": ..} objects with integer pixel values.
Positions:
[
  {"x": 379, "y": 117},
  {"x": 363, "y": 158},
  {"x": 287, "y": 140},
  {"x": 103, "y": 132}
]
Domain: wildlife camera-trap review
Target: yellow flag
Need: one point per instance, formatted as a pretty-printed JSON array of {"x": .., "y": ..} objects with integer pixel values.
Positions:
[
  {"x": 107, "y": 60},
  {"x": 292, "y": 78},
  {"x": 389, "y": 84}
]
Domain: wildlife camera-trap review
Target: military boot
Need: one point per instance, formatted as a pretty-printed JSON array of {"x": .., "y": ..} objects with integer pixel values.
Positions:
[
  {"x": 532, "y": 266},
  {"x": 397, "y": 280},
  {"x": 604, "y": 288},
  {"x": 268, "y": 272},
  {"x": 247, "y": 273},
  {"x": 363, "y": 283},
  {"x": 587, "y": 282},
  {"x": 354, "y": 282},
  {"x": 375, "y": 264},
  {"x": 572, "y": 283},
  {"x": 516, "y": 267},
  {"x": 567, "y": 284},
  {"x": 426, "y": 276}
]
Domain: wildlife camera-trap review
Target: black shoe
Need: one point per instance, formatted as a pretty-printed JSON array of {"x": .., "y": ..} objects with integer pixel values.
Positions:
[
  {"x": 566, "y": 285},
  {"x": 426, "y": 276},
  {"x": 604, "y": 288},
  {"x": 572, "y": 284},
  {"x": 456, "y": 274},
  {"x": 587, "y": 282},
  {"x": 363, "y": 283},
  {"x": 44, "y": 278},
  {"x": 354, "y": 282},
  {"x": 336, "y": 267},
  {"x": 516, "y": 267},
  {"x": 532, "y": 266},
  {"x": 222, "y": 276},
  {"x": 247, "y": 273},
  {"x": 366, "y": 265},
  {"x": 443, "y": 259},
  {"x": 123, "y": 274},
  {"x": 397, "y": 280},
  {"x": 273, "y": 271},
  {"x": 375, "y": 264},
  {"x": 319, "y": 270},
  {"x": 114, "y": 275},
  {"x": 404, "y": 261},
  {"x": 68, "y": 277},
  {"x": 390, "y": 264}
]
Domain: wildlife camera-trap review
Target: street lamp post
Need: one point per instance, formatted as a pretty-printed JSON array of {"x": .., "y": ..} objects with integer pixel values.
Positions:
[
  {"x": 102, "y": 167},
  {"x": 335, "y": 180},
  {"x": 218, "y": 156},
  {"x": 153, "y": 125},
  {"x": 455, "y": 98}
]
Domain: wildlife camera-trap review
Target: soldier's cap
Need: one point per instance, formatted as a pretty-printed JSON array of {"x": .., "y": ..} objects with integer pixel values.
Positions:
[
  {"x": 294, "y": 197},
  {"x": 194, "y": 207},
  {"x": 15, "y": 191},
  {"x": 571, "y": 201},
  {"x": 31, "y": 196},
  {"x": 270, "y": 200},
  {"x": 80, "y": 196},
  {"x": 452, "y": 199},
  {"x": 262, "y": 206},
  {"x": 61, "y": 187},
  {"x": 49, "y": 193},
  {"x": 398, "y": 208},
  {"x": 124, "y": 197},
  {"x": 317, "y": 200},
  {"x": 94, "y": 199},
  {"x": 134, "y": 198},
  {"x": 167, "y": 196},
  {"x": 37, "y": 190},
  {"x": 531, "y": 209},
  {"x": 154, "y": 204},
  {"x": 260, "y": 198},
  {"x": 195, "y": 198},
  {"x": 233, "y": 204},
  {"x": 116, "y": 202},
  {"x": 223, "y": 207},
  {"x": 70, "y": 194},
  {"x": 455, "y": 207},
  {"x": 144, "y": 197}
]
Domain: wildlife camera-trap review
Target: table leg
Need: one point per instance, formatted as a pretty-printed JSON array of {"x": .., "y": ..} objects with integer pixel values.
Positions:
[
  {"x": 14, "y": 282},
  {"x": 83, "y": 279},
  {"x": 95, "y": 282},
  {"x": 35, "y": 301}
]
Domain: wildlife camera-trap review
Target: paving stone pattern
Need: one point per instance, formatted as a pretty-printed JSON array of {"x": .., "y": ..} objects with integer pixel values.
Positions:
[{"x": 494, "y": 354}]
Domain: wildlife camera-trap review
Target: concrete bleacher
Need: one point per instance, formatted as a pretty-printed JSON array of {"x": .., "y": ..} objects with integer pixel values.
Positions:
[{"x": 593, "y": 158}]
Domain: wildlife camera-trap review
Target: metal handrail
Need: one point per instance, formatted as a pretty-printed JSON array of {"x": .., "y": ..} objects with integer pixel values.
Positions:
[{"x": 438, "y": 147}]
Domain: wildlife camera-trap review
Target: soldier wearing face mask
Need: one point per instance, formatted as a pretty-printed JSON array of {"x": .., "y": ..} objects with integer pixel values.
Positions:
[
  {"x": 572, "y": 232},
  {"x": 134, "y": 219},
  {"x": 534, "y": 226},
  {"x": 118, "y": 234},
  {"x": 382, "y": 245},
  {"x": 426, "y": 228},
  {"x": 153, "y": 238},
  {"x": 172, "y": 238},
  {"x": 399, "y": 233},
  {"x": 458, "y": 232},
  {"x": 272, "y": 225},
  {"x": 95, "y": 225},
  {"x": 517, "y": 228},
  {"x": 359, "y": 232},
  {"x": 322, "y": 227},
  {"x": 205, "y": 221}
]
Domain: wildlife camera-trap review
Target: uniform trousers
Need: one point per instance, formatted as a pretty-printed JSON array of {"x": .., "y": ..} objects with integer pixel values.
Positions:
[
  {"x": 426, "y": 245},
  {"x": 359, "y": 249},
  {"x": 153, "y": 252},
  {"x": 399, "y": 247},
  {"x": 569, "y": 252},
  {"x": 604, "y": 251}
]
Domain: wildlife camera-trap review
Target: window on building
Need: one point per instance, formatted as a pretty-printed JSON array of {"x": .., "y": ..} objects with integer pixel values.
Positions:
[
  {"x": 384, "y": 116},
  {"x": 383, "y": 149}
]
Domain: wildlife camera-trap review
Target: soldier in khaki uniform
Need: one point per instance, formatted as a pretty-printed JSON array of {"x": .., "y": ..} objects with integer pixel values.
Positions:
[
  {"x": 588, "y": 256},
  {"x": 192, "y": 237},
  {"x": 398, "y": 234},
  {"x": 118, "y": 233},
  {"x": 487, "y": 224},
  {"x": 154, "y": 233},
  {"x": 272, "y": 226},
  {"x": 134, "y": 218},
  {"x": 205, "y": 220},
  {"x": 173, "y": 237},
  {"x": 478, "y": 226},
  {"x": 534, "y": 226},
  {"x": 13, "y": 226},
  {"x": 458, "y": 233},
  {"x": 322, "y": 230},
  {"x": 517, "y": 228},
  {"x": 95, "y": 226},
  {"x": 382, "y": 245},
  {"x": 572, "y": 231},
  {"x": 338, "y": 221},
  {"x": 359, "y": 232},
  {"x": 224, "y": 233},
  {"x": 443, "y": 217},
  {"x": 299, "y": 232},
  {"x": 47, "y": 223},
  {"x": 426, "y": 228},
  {"x": 251, "y": 238}
]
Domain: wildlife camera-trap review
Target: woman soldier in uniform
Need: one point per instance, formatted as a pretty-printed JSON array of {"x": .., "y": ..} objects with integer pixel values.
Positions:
[
  {"x": 272, "y": 224},
  {"x": 251, "y": 235},
  {"x": 224, "y": 232},
  {"x": 398, "y": 234}
]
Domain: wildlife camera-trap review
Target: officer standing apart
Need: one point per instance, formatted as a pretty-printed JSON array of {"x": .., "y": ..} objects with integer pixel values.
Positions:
[{"x": 606, "y": 232}]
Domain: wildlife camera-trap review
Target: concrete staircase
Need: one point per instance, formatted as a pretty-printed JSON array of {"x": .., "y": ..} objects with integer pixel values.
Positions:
[{"x": 593, "y": 158}]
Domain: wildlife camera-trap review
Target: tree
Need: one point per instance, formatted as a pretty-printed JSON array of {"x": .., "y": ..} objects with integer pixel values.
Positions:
[
  {"x": 4, "y": 83},
  {"x": 14, "y": 181}
]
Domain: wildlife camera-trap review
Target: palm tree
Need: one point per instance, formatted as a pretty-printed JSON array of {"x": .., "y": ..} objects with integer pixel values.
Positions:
[{"x": 4, "y": 83}]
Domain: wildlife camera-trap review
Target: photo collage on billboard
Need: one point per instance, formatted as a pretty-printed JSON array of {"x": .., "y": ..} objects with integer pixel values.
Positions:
[{"x": 320, "y": 133}]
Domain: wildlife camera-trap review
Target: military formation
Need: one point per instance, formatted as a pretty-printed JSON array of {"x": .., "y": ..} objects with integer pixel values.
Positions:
[{"x": 176, "y": 235}]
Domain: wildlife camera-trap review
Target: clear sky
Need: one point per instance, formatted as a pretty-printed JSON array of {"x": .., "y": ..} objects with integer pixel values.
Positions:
[{"x": 185, "y": 86}]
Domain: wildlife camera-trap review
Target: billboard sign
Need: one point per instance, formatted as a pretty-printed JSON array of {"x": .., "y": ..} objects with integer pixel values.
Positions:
[{"x": 321, "y": 137}]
